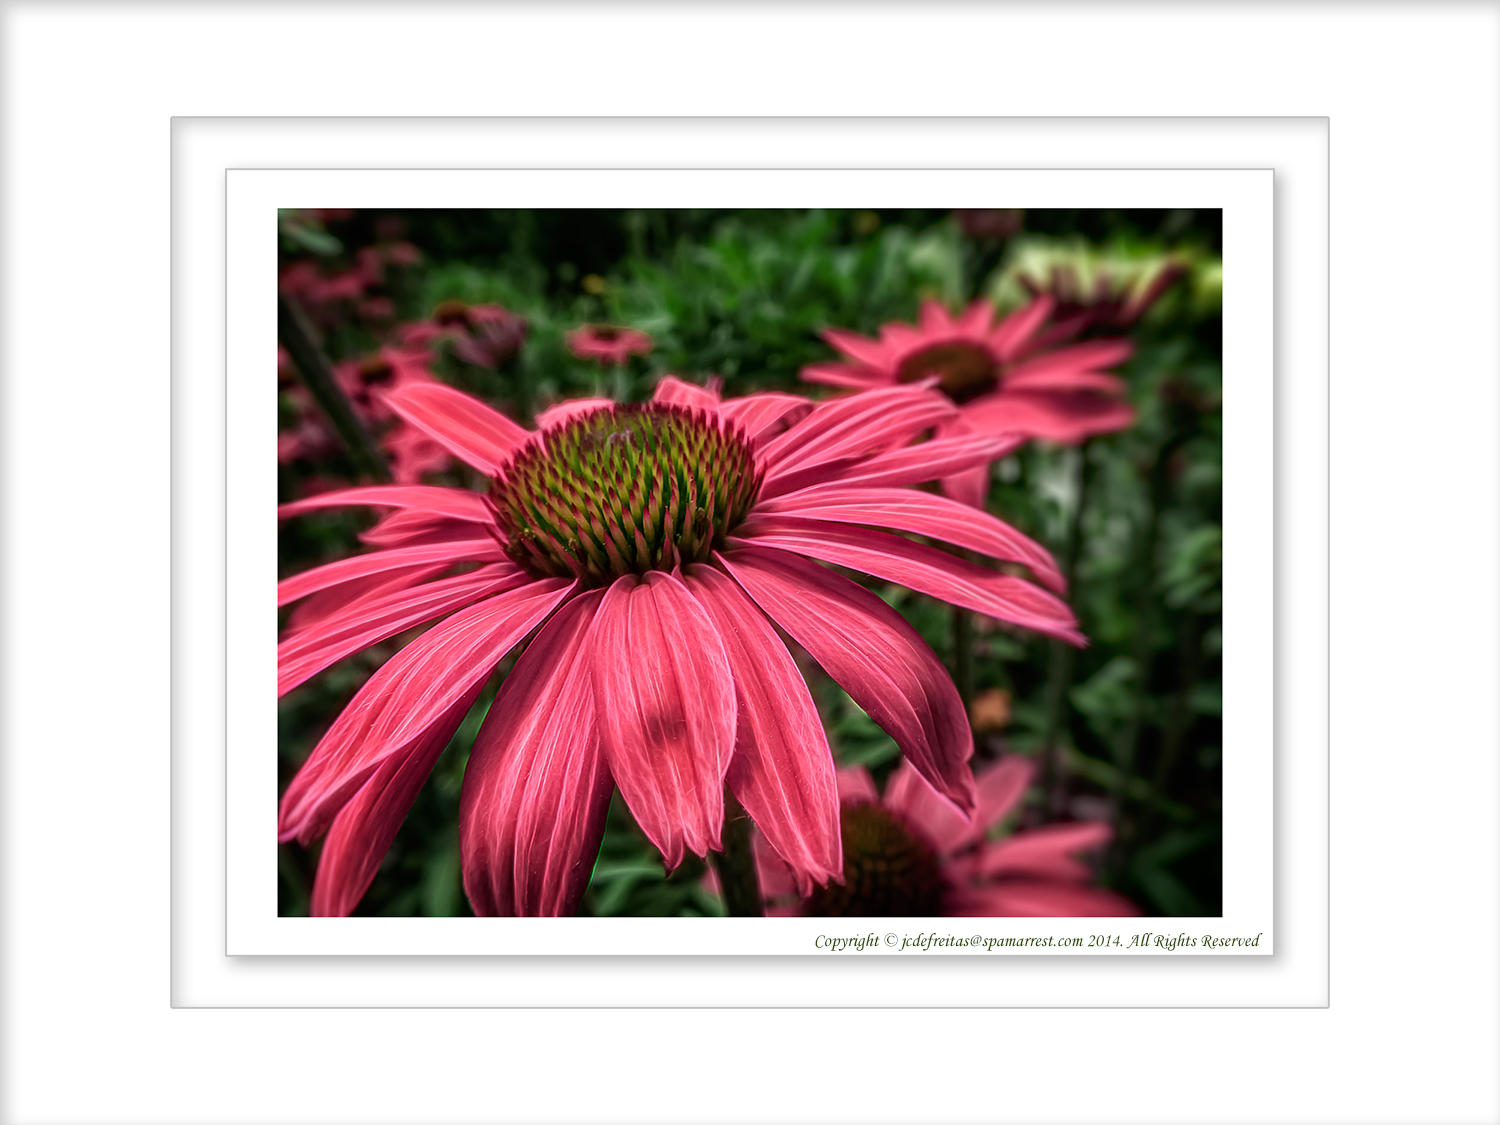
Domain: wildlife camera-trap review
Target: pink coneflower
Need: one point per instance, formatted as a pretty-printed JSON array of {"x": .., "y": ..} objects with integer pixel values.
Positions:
[
  {"x": 1107, "y": 303},
  {"x": 989, "y": 223},
  {"x": 484, "y": 335},
  {"x": 910, "y": 853},
  {"x": 606, "y": 344},
  {"x": 656, "y": 548},
  {"x": 995, "y": 375}
]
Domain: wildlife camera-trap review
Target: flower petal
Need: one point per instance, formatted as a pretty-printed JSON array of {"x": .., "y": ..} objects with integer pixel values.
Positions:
[
  {"x": 481, "y": 547},
  {"x": 1001, "y": 788},
  {"x": 455, "y": 503},
  {"x": 782, "y": 770},
  {"x": 855, "y": 426},
  {"x": 861, "y": 349},
  {"x": 363, "y": 830},
  {"x": 666, "y": 710},
  {"x": 954, "y": 450},
  {"x": 1013, "y": 333},
  {"x": 469, "y": 429},
  {"x": 1046, "y": 851},
  {"x": 856, "y": 786},
  {"x": 945, "y": 826},
  {"x": 1050, "y": 415},
  {"x": 562, "y": 412},
  {"x": 679, "y": 392},
  {"x": 872, "y": 652},
  {"x": 918, "y": 567},
  {"x": 763, "y": 416},
  {"x": 1094, "y": 356},
  {"x": 413, "y": 691},
  {"x": 841, "y": 375},
  {"x": 536, "y": 789},
  {"x": 307, "y": 652},
  {"x": 921, "y": 513}
]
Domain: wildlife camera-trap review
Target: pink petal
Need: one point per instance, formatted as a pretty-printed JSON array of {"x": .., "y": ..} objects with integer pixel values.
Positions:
[
  {"x": 1036, "y": 898},
  {"x": 872, "y": 652},
  {"x": 952, "y": 451},
  {"x": 908, "y": 793},
  {"x": 918, "y": 567},
  {"x": 1050, "y": 415},
  {"x": 934, "y": 319},
  {"x": 456, "y": 503},
  {"x": 855, "y": 426},
  {"x": 679, "y": 392},
  {"x": 397, "y": 707},
  {"x": 363, "y": 830},
  {"x": 871, "y": 353},
  {"x": 921, "y": 513},
  {"x": 782, "y": 769},
  {"x": 977, "y": 319},
  {"x": 468, "y": 428},
  {"x": 763, "y": 416},
  {"x": 840, "y": 375},
  {"x": 306, "y": 653},
  {"x": 343, "y": 596},
  {"x": 856, "y": 786},
  {"x": 1001, "y": 789},
  {"x": 1012, "y": 333},
  {"x": 1046, "y": 851},
  {"x": 665, "y": 701},
  {"x": 566, "y": 411},
  {"x": 536, "y": 789},
  {"x": 483, "y": 548},
  {"x": 970, "y": 486},
  {"x": 1096, "y": 382},
  {"x": 413, "y": 526},
  {"x": 1093, "y": 356}
]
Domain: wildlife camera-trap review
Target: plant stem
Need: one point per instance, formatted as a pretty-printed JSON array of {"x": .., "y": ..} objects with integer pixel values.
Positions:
[
  {"x": 736, "y": 864},
  {"x": 1064, "y": 661},
  {"x": 297, "y": 336},
  {"x": 963, "y": 655}
]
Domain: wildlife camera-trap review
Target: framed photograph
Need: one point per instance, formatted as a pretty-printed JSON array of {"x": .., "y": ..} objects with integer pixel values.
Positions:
[
  {"x": 774, "y": 616},
  {"x": 651, "y": 430}
]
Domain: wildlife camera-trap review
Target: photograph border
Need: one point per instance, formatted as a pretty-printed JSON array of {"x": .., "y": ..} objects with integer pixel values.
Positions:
[{"x": 917, "y": 986}]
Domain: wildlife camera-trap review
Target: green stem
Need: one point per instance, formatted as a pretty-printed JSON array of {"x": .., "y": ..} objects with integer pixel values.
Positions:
[
  {"x": 963, "y": 655},
  {"x": 736, "y": 864},
  {"x": 300, "y": 342},
  {"x": 1064, "y": 659}
]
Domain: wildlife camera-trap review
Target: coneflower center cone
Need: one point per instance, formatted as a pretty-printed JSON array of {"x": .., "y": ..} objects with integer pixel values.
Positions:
[
  {"x": 889, "y": 870},
  {"x": 964, "y": 371},
  {"x": 624, "y": 490}
]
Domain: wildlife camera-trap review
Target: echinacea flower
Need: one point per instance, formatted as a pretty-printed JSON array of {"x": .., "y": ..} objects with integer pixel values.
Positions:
[
  {"x": 994, "y": 374},
  {"x": 911, "y": 853},
  {"x": 989, "y": 223},
  {"x": 607, "y": 344},
  {"x": 655, "y": 549},
  {"x": 1089, "y": 301}
]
